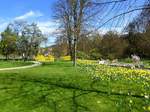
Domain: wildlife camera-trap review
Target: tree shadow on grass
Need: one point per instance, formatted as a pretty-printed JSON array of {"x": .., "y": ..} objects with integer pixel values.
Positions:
[
  {"x": 33, "y": 93},
  {"x": 59, "y": 63}
]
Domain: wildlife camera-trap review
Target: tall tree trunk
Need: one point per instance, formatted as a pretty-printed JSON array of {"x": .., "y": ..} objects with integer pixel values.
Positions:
[
  {"x": 6, "y": 56},
  {"x": 75, "y": 18},
  {"x": 70, "y": 49},
  {"x": 75, "y": 52}
]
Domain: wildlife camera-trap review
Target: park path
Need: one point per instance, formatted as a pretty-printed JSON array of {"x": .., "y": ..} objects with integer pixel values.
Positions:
[{"x": 35, "y": 64}]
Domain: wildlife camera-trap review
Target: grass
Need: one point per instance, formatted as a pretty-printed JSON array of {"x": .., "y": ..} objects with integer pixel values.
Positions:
[
  {"x": 9, "y": 64},
  {"x": 146, "y": 63},
  {"x": 59, "y": 87}
]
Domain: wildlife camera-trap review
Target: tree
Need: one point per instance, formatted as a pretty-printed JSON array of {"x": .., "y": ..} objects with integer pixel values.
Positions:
[
  {"x": 8, "y": 42},
  {"x": 112, "y": 46},
  {"x": 74, "y": 17},
  {"x": 143, "y": 44},
  {"x": 63, "y": 14},
  {"x": 61, "y": 48},
  {"x": 138, "y": 33},
  {"x": 29, "y": 38}
]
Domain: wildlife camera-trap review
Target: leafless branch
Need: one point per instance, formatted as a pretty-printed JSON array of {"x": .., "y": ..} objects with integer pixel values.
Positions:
[{"x": 110, "y": 2}]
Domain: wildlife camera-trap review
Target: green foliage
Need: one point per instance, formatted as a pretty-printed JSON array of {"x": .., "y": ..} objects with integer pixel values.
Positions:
[
  {"x": 138, "y": 34},
  {"x": 30, "y": 40},
  {"x": 8, "y": 42},
  {"x": 95, "y": 55},
  {"x": 138, "y": 44},
  {"x": 82, "y": 55},
  {"x": 126, "y": 60},
  {"x": 21, "y": 38},
  {"x": 112, "y": 46},
  {"x": 60, "y": 49},
  {"x": 143, "y": 44}
]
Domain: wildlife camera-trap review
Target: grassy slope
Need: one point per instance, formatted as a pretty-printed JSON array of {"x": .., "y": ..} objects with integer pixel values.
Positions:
[
  {"x": 8, "y": 64},
  {"x": 58, "y": 87}
]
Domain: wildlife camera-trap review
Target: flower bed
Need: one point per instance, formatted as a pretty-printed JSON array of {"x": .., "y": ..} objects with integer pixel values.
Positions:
[{"x": 131, "y": 82}]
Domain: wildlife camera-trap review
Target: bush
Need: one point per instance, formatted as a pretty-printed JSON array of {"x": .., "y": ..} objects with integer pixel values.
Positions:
[
  {"x": 82, "y": 55},
  {"x": 126, "y": 60},
  {"x": 50, "y": 58},
  {"x": 40, "y": 58},
  {"x": 43, "y": 58},
  {"x": 112, "y": 46},
  {"x": 95, "y": 55},
  {"x": 66, "y": 58}
]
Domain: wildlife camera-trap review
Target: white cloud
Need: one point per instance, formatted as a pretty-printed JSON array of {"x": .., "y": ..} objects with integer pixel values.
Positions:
[
  {"x": 29, "y": 15},
  {"x": 3, "y": 24},
  {"x": 105, "y": 30},
  {"x": 47, "y": 27}
]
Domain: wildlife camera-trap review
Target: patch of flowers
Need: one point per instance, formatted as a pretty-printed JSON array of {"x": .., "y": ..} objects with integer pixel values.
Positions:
[
  {"x": 119, "y": 79},
  {"x": 43, "y": 58},
  {"x": 114, "y": 72},
  {"x": 66, "y": 58}
]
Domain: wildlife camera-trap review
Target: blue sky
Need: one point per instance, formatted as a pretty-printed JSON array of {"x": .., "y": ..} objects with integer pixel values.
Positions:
[
  {"x": 41, "y": 12},
  {"x": 14, "y": 8}
]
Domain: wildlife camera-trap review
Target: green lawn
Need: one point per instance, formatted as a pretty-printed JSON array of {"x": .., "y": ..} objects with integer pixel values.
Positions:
[
  {"x": 9, "y": 64},
  {"x": 147, "y": 63},
  {"x": 59, "y": 87}
]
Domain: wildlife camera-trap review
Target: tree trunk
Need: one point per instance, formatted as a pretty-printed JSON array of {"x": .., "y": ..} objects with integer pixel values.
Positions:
[
  {"x": 70, "y": 49},
  {"x": 75, "y": 18},
  {"x": 6, "y": 56},
  {"x": 75, "y": 53}
]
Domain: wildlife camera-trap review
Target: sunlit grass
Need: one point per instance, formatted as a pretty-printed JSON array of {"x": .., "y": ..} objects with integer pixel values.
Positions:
[
  {"x": 8, "y": 64},
  {"x": 59, "y": 87}
]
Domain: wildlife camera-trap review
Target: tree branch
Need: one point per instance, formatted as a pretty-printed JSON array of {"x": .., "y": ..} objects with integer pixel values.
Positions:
[
  {"x": 116, "y": 16},
  {"x": 110, "y": 2}
]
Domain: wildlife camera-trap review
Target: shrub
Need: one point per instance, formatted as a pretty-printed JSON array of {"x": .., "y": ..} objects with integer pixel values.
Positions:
[
  {"x": 112, "y": 46},
  {"x": 40, "y": 58},
  {"x": 43, "y": 58},
  {"x": 82, "y": 55},
  {"x": 95, "y": 55},
  {"x": 66, "y": 58},
  {"x": 50, "y": 58}
]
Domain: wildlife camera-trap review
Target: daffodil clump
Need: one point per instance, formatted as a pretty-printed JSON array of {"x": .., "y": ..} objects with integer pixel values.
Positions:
[
  {"x": 43, "y": 58},
  {"x": 66, "y": 58},
  {"x": 80, "y": 61}
]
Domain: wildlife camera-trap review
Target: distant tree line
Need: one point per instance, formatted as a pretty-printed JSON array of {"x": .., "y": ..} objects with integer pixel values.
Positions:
[
  {"x": 96, "y": 46},
  {"x": 21, "y": 39},
  {"x": 108, "y": 46}
]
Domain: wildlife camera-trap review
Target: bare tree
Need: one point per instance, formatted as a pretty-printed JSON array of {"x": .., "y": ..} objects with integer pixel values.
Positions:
[
  {"x": 73, "y": 14},
  {"x": 63, "y": 15}
]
